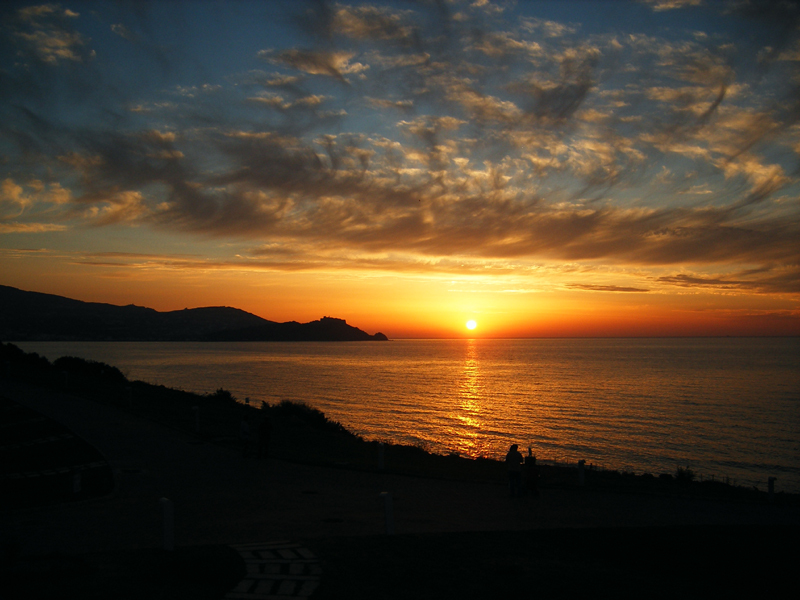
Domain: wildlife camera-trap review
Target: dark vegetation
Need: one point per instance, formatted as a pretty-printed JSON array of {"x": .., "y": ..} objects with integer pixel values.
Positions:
[
  {"x": 303, "y": 434},
  {"x": 35, "y": 316}
]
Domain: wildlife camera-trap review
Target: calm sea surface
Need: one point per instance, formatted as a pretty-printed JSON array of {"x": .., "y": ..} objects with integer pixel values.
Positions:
[{"x": 724, "y": 407}]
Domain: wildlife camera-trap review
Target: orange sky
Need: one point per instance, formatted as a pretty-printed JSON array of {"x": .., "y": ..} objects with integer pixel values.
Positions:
[{"x": 407, "y": 305}]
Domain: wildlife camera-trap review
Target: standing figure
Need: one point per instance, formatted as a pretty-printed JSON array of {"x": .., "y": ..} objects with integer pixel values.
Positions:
[
  {"x": 514, "y": 467},
  {"x": 532, "y": 474}
]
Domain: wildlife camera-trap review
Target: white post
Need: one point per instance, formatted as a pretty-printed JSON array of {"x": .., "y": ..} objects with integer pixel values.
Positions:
[
  {"x": 169, "y": 524},
  {"x": 387, "y": 512}
]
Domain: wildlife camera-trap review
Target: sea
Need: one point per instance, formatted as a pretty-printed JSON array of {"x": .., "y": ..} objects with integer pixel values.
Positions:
[{"x": 726, "y": 408}]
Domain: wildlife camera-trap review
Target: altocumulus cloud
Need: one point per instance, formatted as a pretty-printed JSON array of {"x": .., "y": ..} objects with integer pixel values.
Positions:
[{"x": 445, "y": 131}]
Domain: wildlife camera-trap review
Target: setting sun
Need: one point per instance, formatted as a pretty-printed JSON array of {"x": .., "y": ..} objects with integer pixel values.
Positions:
[{"x": 471, "y": 324}]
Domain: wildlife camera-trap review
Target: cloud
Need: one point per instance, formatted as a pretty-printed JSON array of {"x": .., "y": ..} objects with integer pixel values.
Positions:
[
  {"x": 360, "y": 193},
  {"x": 12, "y": 197},
  {"x": 316, "y": 62},
  {"x": 780, "y": 18},
  {"x": 662, "y": 5},
  {"x": 547, "y": 28},
  {"x": 12, "y": 227},
  {"x": 402, "y": 105},
  {"x": 127, "y": 206},
  {"x": 476, "y": 138},
  {"x": 504, "y": 44},
  {"x": 773, "y": 280},
  {"x": 373, "y": 23},
  {"x": 57, "y": 194},
  {"x": 278, "y": 102},
  {"x": 47, "y": 34},
  {"x": 123, "y": 32},
  {"x": 53, "y": 46},
  {"x": 361, "y": 23},
  {"x": 33, "y": 14},
  {"x": 487, "y": 6},
  {"x": 603, "y": 288},
  {"x": 22, "y": 207}
]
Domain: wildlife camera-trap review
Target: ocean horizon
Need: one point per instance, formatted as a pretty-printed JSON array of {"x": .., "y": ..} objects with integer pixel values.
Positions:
[{"x": 727, "y": 408}]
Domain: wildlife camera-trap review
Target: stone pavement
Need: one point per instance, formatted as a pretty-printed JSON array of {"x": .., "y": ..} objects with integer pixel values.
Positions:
[{"x": 276, "y": 570}]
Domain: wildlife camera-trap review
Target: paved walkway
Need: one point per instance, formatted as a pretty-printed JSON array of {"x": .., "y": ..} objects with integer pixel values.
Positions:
[{"x": 276, "y": 570}]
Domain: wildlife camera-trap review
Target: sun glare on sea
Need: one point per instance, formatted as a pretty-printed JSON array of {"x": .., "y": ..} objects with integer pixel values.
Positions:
[{"x": 471, "y": 324}]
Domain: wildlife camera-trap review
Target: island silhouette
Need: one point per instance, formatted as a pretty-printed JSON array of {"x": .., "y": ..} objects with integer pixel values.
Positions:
[{"x": 34, "y": 316}]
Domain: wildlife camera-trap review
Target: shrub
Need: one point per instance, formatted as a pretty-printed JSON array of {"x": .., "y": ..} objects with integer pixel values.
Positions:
[
  {"x": 223, "y": 395},
  {"x": 684, "y": 474},
  {"x": 308, "y": 415},
  {"x": 15, "y": 355},
  {"x": 89, "y": 368}
]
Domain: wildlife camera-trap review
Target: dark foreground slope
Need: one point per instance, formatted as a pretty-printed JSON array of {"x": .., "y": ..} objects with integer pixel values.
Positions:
[
  {"x": 458, "y": 534},
  {"x": 35, "y": 316}
]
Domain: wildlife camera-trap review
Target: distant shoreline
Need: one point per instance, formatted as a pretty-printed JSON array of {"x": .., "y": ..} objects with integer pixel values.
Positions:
[{"x": 33, "y": 316}]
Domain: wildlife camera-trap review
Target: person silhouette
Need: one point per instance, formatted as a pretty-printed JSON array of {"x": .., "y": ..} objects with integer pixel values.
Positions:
[
  {"x": 514, "y": 468},
  {"x": 531, "y": 474}
]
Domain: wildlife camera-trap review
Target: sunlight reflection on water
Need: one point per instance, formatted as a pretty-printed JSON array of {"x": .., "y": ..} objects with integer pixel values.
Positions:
[
  {"x": 724, "y": 407},
  {"x": 470, "y": 407}
]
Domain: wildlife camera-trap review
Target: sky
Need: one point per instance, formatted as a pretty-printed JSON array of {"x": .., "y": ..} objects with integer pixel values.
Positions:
[{"x": 542, "y": 168}]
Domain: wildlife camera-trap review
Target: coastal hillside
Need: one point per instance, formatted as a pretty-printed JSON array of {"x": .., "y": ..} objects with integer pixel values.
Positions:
[{"x": 28, "y": 316}]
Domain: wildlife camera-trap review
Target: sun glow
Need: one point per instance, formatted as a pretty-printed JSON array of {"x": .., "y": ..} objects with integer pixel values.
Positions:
[{"x": 471, "y": 324}]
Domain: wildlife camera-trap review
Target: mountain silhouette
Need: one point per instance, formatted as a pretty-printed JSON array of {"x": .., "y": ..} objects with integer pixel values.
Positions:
[{"x": 28, "y": 316}]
